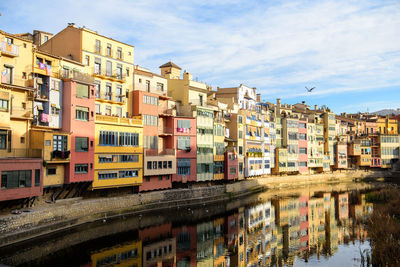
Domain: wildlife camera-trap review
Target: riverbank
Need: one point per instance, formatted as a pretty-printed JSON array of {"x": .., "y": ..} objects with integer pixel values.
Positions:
[{"x": 64, "y": 214}]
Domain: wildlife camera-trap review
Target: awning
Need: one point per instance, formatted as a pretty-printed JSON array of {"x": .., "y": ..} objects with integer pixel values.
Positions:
[{"x": 39, "y": 106}]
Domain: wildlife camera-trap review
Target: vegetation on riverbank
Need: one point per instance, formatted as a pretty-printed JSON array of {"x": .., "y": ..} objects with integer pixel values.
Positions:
[{"x": 384, "y": 227}]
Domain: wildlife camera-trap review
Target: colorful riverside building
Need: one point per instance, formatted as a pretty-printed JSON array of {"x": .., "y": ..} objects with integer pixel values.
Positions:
[
  {"x": 118, "y": 134},
  {"x": 21, "y": 167},
  {"x": 250, "y": 117},
  {"x": 150, "y": 100},
  {"x": 49, "y": 132},
  {"x": 191, "y": 101},
  {"x": 303, "y": 146}
]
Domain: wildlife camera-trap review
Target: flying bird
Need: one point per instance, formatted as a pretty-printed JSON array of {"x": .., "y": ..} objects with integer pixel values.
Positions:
[{"x": 309, "y": 90}]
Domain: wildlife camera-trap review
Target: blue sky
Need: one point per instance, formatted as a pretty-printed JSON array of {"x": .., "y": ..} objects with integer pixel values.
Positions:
[{"x": 348, "y": 50}]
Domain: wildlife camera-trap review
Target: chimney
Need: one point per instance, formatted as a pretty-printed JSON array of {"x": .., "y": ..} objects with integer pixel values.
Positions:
[
  {"x": 187, "y": 76},
  {"x": 303, "y": 102},
  {"x": 315, "y": 107},
  {"x": 278, "y": 102},
  {"x": 258, "y": 98}
]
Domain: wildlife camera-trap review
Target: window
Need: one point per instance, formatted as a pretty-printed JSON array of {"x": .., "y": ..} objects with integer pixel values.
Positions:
[
  {"x": 81, "y": 168},
  {"x": 108, "y": 138},
  {"x": 51, "y": 171},
  {"x": 128, "y": 173},
  {"x": 183, "y": 124},
  {"x": 87, "y": 60},
  {"x": 232, "y": 170},
  {"x": 160, "y": 179},
  {"x": 160, "y": 166},
  {"x": 16, "y": 179},
  {"x": 240, "y": 134},
  {"x": 155, "y": 165},
  {"x": 108, "y": 111},
  {"x": 119, "y": 52},
  {"x": 302, "y": 125},
  {"x": 98, "y": 46},
  {"x": 107, "y": 158},
  {"x": 150, "y": 100},
  {"x": 97, "y": 108},
  {"x": 183, "y": 167},
  {"x": 183, "y": 142},
  {"x": 118, "y": 111},
  {"x": 108, "y": 49},
  {"x": 303, "y": 150},
  {"x": 150, "y": 142},
  {"x": 119, "y": 71},
  {"x": 128, "y": 139},
  {"x": 160, "y": 87},
  {"x": 60, "y": 143},
  {"x": 240, "y": 119},
  {"x": 97, "y": 65},
  {"x": 127, "y": 72},
  {"x": 37, "y": 177},
  {"x": 81, "y": 144},
  {"x": 148, "y": 86},
  {"x": 82, "y": 113},
  {"x": 6, "y": 75},
  {"x": 4, "y": 104},
  {"x": 119, "y": 95},
  {"x": 240, "y": 150},
  {"x": 303, "y": 136},
  {"x": 149, "y": 165},
  {"x": 108, "y": 91},
  {"x": 108, "y": 68},
  {"x": 82, "y": 90},
  {"x": 150, "y": 120},
  {"x": 128, "y": 158},
  {"x": 303, "y": 164},
  {"x": 22, "y": 140},
  {"x": 107, "y": 175}
]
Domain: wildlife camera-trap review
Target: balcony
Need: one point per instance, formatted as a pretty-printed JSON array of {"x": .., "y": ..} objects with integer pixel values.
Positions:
[
  {"x": 135, "y": 120},
  {"x": 165, "y": 131},
  {"x": 9, "y": 49},
  {"x": 41, "y": 94},
  {"x": 77, "y": 76},
  {"x": 61, "y": 155},
  {"x": 21, "y": 153},
  {"x": 165, "y": 152},
  {"x": 19, "y": 112},
  {"x": 115, "y": 75},
  {"x": 165, "y": 111},
  {"x": 109, "y": 97}
]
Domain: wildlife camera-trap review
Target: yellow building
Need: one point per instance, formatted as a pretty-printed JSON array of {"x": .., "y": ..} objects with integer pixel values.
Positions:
[
  {"x": 118, "y": 152},
  {"x": 129, "y": 254},
  {"x": 109, "y": 61},
  {"x": 281, "y": 161},
  {"x": 219, "y": 144},
  {"x": 386, "y": 125},
  {"x": 16, "y": 96}
]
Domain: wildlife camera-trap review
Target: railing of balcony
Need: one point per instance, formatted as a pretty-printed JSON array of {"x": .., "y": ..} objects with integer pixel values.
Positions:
[
  {"x": 20, "y": 153},
  {"x": 10, "y": 49}
]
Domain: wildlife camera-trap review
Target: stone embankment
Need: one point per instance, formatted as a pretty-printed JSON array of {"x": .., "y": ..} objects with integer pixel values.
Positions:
[{"x": 48, "y": 218}]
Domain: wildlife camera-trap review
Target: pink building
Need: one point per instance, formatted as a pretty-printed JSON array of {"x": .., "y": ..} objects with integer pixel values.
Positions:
[
  {"x": 184, "y": 136},
  {"x": 78, "y": 119},
  {"x": 304, "y": 231},
  {"x": 303, "y": 156},
  {"x": 231, "y": 165},
  {"x": 186, "y": 245},
  {"x": 21, "y": 178}
]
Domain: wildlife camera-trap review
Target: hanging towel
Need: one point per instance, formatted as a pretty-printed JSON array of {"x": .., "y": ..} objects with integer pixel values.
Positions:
[
  {"x": 4, "y": 76},
  {"x": 44, "y": 117},
  {"x": 9, "y": 47},
  {"x": 48, "y": 70},
  {"x": 42, "y": 66}
]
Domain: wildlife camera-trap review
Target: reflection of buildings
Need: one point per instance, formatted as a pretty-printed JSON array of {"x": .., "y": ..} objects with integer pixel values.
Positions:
[
  {"x": 129, "y": 254},
  {"x": 159, "y": 247},
  {"x": 205, "y": 243},
  {"x": 185, "y": 245},
  {"x": 272, "y": 233}
]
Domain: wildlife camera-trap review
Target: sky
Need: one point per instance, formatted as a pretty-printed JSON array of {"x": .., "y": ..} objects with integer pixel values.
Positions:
[{"x": 348, "y": 50}]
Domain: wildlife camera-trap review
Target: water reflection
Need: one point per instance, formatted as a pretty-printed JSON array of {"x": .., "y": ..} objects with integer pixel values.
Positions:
[{"x": 275, "y": 232}]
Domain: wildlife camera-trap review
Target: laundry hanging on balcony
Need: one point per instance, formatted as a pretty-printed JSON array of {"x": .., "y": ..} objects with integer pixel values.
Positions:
[
  {"x": 44, "y": 117},
  {"x": 48, "y": 69},
  {"x": 42, "y": 66}
]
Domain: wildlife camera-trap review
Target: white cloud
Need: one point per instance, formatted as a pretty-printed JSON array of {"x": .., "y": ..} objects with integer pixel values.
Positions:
[{"x": 341, "y": 46}]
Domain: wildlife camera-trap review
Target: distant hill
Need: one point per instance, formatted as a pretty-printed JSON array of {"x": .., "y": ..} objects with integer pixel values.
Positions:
[{"x": 385, "y": 112}]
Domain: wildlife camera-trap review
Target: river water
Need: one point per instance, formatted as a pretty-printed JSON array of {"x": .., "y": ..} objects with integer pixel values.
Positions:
[{"x": 308, "y": 227}]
